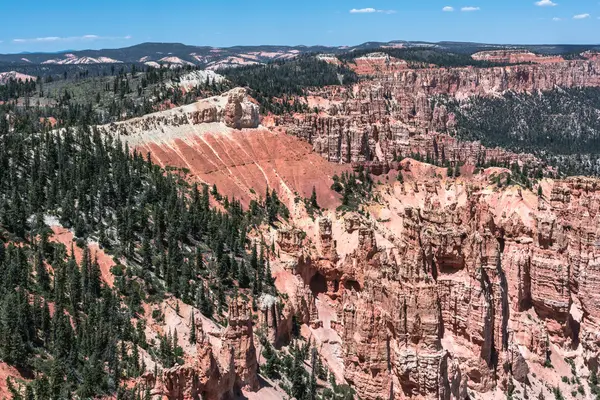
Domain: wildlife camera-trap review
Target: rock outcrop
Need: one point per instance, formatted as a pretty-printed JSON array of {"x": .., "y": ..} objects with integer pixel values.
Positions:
[
  {"x": 439, "y": 288},
  {"x": 6, "y": 77},
  {"x": 399, "y": 113},
  {"x": 214, "y": 374},
  {"x": 238, "y": 339},
  {"x": 378, "y": 64},
  {"x": 232, "y": 109},
  {"x": 240, "y": 112},
  {"x": 516, "y": 57},
  {"x": 463, "y": 286}
]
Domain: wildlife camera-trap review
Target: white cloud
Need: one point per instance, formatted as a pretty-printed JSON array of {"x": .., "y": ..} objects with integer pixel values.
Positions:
[
  {"x": 448, "y": 9},
  {"x": 469, "y": 9},
  {"x": 545, "y": 3},
  {"x": 40, "y": 39},
  {"x": 370, "y": 10},
  {"x": 581, "y": 16},
  {"x": 69, "y": 39},
  {"x": 556, "y": 19}
]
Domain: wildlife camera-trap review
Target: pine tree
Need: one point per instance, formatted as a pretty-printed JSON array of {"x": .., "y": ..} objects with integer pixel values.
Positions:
[
  {"x": 204, "y": 303},
  {"x": 271, "y": 366},
  {"x": 269, "y": 281},
  {"x": 177, "y": 350},
  {"x": 243, "y": 278},
  {"x": 43, "y": 279},
  {"x": 135, "y": 362},
  {"x": 260, "y": 272},
  {"x": 192, "y": 329},
  {"x": 312, "y": 383},
  {"x": 400, "y": 177},
  {"x": 313, "y": 198},
  {"x": 298, "y": 377}
]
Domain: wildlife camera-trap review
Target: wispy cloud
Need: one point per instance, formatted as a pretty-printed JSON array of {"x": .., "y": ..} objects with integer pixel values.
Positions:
[
  {"x": 545, "y": 3},
  {"x": 448, "y": 9},
  {"x": 556, "y": 19},
  {"x": 370, "y": 10},
  {"x": 50, "y": 39},
  {"x": 581, "y": 16},
  {"x": 470, "y": 9}
]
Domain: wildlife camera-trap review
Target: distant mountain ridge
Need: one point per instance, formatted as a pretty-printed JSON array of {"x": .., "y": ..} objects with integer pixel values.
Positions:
[{"x": 215, "y": 57}]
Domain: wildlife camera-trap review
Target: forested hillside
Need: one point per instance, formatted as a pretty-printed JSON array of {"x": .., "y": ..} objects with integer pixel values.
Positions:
[
  {"x": 561, "y": 126},
  {"x": 275, "y": 84},
  {"x": 60, "y": 321},
  {"x": 120, "y": 93}
]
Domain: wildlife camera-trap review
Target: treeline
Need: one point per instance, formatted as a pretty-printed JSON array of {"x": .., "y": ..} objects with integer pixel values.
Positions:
[
  {"x": 123, "y": 93},
  {"x": 561, "y": 126},
  {"x": 15, "y": 88},
  {"x": 275, "y": 83},
  {"x": 58, "y": 320}
]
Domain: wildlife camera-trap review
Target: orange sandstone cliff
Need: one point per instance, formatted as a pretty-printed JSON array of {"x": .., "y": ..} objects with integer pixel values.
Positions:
[{"x": 440, "y": 287}]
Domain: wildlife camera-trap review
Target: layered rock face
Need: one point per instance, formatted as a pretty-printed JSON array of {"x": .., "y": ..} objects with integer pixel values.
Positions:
[
  {"x": 463, "y": 82},
  {"x": 239, "y": 339},
  {"x": 439, "y": 289},
  {"x": 591, "y": 55},
  {"x": 448, "y": 287},
  {"x": 6, "y": 77},
  {"x": 234, "y": 109},
  {"x": 240, "y": 112},
  {"x": 378, "y": 64},
  {"x": 400, "y": 113},
  {"x": 243, "y": 163},
  {"x": 515, "y": 57},
  {"x": 214, "y": 374}
]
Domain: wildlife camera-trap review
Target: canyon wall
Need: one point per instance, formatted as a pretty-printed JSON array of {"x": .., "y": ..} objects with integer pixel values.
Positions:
[
  {"x": 440, "y": 288},
  {"x": 401, "y": 112},
  {"x": 515, "y": 57},
  {"x": 448, "y": 287}
]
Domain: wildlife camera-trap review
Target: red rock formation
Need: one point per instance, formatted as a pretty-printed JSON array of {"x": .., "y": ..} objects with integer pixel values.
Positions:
[
  {"x": 214, "y": 375},
  {"x": 378, "y": 64},
  {"x": 439, "y": 286},
  {"x": 396, "y": 113},
  {"x": 6, "y": 77},
  {"x": 238, "y": 339},
  {"x": 465, "y": 283},
  {"x": 242, "y": 163},
  {"x": 591, "y": 55},
  {"x": 233, "y": 108},
  {"x": 208, "y": 377},
  {"x": 240, "y": 112}
]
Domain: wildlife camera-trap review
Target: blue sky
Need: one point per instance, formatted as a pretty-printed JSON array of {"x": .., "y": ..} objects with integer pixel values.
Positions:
[{"x": 56, "y": 25}]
